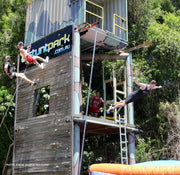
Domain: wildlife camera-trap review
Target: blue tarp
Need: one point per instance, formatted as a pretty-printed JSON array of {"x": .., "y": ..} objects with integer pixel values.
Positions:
[{"x": 159, "y": 163}]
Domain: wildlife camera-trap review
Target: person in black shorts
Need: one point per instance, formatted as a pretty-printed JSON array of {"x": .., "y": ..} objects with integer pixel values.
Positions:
[
  {"x": 10, "y": 72},
  {"x": 143, "y": 90}
]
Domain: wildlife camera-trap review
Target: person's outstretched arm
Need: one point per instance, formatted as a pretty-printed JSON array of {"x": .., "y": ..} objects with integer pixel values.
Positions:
[
  {"x": 142, "y": 85},
  {"x": 157, "y": 87}
]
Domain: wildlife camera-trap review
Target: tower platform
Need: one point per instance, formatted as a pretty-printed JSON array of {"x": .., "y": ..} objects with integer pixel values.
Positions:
[{"x": 100, "y": 126}]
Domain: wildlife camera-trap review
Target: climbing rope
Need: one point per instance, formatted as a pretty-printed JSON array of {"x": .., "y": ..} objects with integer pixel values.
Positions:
[
  {"x": 8, "y": 132},
  {"x": 11, "y": 102},
  {"x": 15, "y": 117},
  {"x": 85, "y": 124}
]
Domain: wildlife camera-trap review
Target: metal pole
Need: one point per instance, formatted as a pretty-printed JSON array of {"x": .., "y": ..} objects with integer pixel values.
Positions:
[
  {"x": 76, "y": 100},
  {"x": 125, "y": 92},
  {"x": 92, "y": 65},
  {"x": 104, "y": 88},
  {"x": 131, "y": 137},
  {"x": 114, "y": 94}
]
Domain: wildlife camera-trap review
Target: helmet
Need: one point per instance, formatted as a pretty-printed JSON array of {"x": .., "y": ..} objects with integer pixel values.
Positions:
[
  {"x": 7, "y": 57},
  {"x": 20, "y": 43}
]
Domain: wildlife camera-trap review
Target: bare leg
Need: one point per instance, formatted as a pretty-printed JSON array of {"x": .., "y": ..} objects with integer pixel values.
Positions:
[
  {"x": 39, "y": 65},
  {"x": 92, "y": 114},
  {"x": 95, "y": 114},
  {"x": 36, "y": 63},
  {"x": 41, "y": 59},
  {"x": 118, "y": 105},
  {"x": 38, "y": 58},
  {"x": 23, "y": 76}
]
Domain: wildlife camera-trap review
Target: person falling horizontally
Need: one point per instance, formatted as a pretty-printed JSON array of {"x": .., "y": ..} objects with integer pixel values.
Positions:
[
  {"x": 30, "y": 59},
  {"x": 143, "y": 90}
]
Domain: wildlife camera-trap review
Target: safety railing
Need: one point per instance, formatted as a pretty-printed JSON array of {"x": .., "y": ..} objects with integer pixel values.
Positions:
[
  {"x": 119, "y": 23},
  {"x": 94, "y": 14}
]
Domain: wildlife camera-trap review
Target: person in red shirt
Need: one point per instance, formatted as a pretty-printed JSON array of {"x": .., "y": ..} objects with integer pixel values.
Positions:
[{"x": 95, "y": 104}]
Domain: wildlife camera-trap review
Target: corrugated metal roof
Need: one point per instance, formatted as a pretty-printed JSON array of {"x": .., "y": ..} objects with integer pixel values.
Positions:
[{"x": 47, "y": 16}]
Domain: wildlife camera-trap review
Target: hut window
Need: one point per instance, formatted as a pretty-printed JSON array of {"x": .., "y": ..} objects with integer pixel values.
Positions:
[{"x": 41, "y": 101}]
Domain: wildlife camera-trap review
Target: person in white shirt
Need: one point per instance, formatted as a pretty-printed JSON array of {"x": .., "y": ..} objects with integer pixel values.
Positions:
[{"x": 30, "y": 59}]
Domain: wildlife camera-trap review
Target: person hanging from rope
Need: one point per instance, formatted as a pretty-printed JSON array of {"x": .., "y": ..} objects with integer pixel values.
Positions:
[
  {"x": 143, "y": 90},
  {"x": 95, "y": 104},
  {"x": 10, "y": 72},
  {"x": 30, "y": 59}
]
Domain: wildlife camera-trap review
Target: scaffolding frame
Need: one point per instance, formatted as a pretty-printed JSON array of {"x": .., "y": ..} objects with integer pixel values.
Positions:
[
  {"x": 122, "y": 120},
  {"x": 116, "y": 92}
]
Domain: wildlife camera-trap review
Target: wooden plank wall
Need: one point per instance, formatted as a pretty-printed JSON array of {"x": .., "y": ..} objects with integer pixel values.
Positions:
[{"x": 44, "y": 143}]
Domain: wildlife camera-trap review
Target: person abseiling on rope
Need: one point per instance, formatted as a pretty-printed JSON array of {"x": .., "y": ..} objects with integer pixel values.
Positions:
[
  {"x": 143, "y": 90},
  {"x": 30, "y": 59},
  {"x": 95, "y": 104},
  {"x": 10, "y": 72}
]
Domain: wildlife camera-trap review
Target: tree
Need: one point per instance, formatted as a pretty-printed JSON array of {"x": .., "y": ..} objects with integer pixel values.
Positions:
[
  {"x": 169, "y": 130},
  {"x": 6, "y": 129}
]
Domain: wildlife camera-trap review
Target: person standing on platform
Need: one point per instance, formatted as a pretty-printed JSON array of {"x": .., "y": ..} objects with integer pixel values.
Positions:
[
  {"x": 30, "y": 59},
  {"x": 143, "y": 90},
  {"x": 95, "y": 104}
]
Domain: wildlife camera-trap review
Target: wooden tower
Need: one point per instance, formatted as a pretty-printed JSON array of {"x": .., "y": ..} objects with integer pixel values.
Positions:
[{"x": 48, "y": 120}]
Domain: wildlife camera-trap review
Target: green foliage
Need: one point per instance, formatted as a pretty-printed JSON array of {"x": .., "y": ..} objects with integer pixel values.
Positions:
[
  {"x": 143, "y": 149},
  {"x": 100, "y": 149},
  {"x": 164, "y": 55},
  {"x": 169, "y": 129},
  {"x": 42, "y": 100},
  {"x": 6, "y": 102},
  {"x": 85, "y": 95}
]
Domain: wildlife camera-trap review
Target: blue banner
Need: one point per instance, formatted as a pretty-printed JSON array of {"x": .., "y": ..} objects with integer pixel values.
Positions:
[{"x": 53, "y": 45}]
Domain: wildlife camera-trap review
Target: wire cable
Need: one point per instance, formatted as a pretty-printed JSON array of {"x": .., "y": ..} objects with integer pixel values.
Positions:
[
  {"x": 10, "y": 102},
  {"x": 90, "y": 81}
]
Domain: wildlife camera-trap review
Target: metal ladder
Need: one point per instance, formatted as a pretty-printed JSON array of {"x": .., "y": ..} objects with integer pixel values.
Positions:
[{"x": 123, "y": 140}]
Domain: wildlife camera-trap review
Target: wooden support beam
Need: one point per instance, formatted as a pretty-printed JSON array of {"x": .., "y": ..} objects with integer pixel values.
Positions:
[
  {"x": 118, "y": 84},
  {"x": 134, "y": 48},
  {"x": 85, "y": 26},
  {"x": 104, "y": 57},
  {"x": 108, "y": 81},
  {"x": 138, "y": 47}
]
